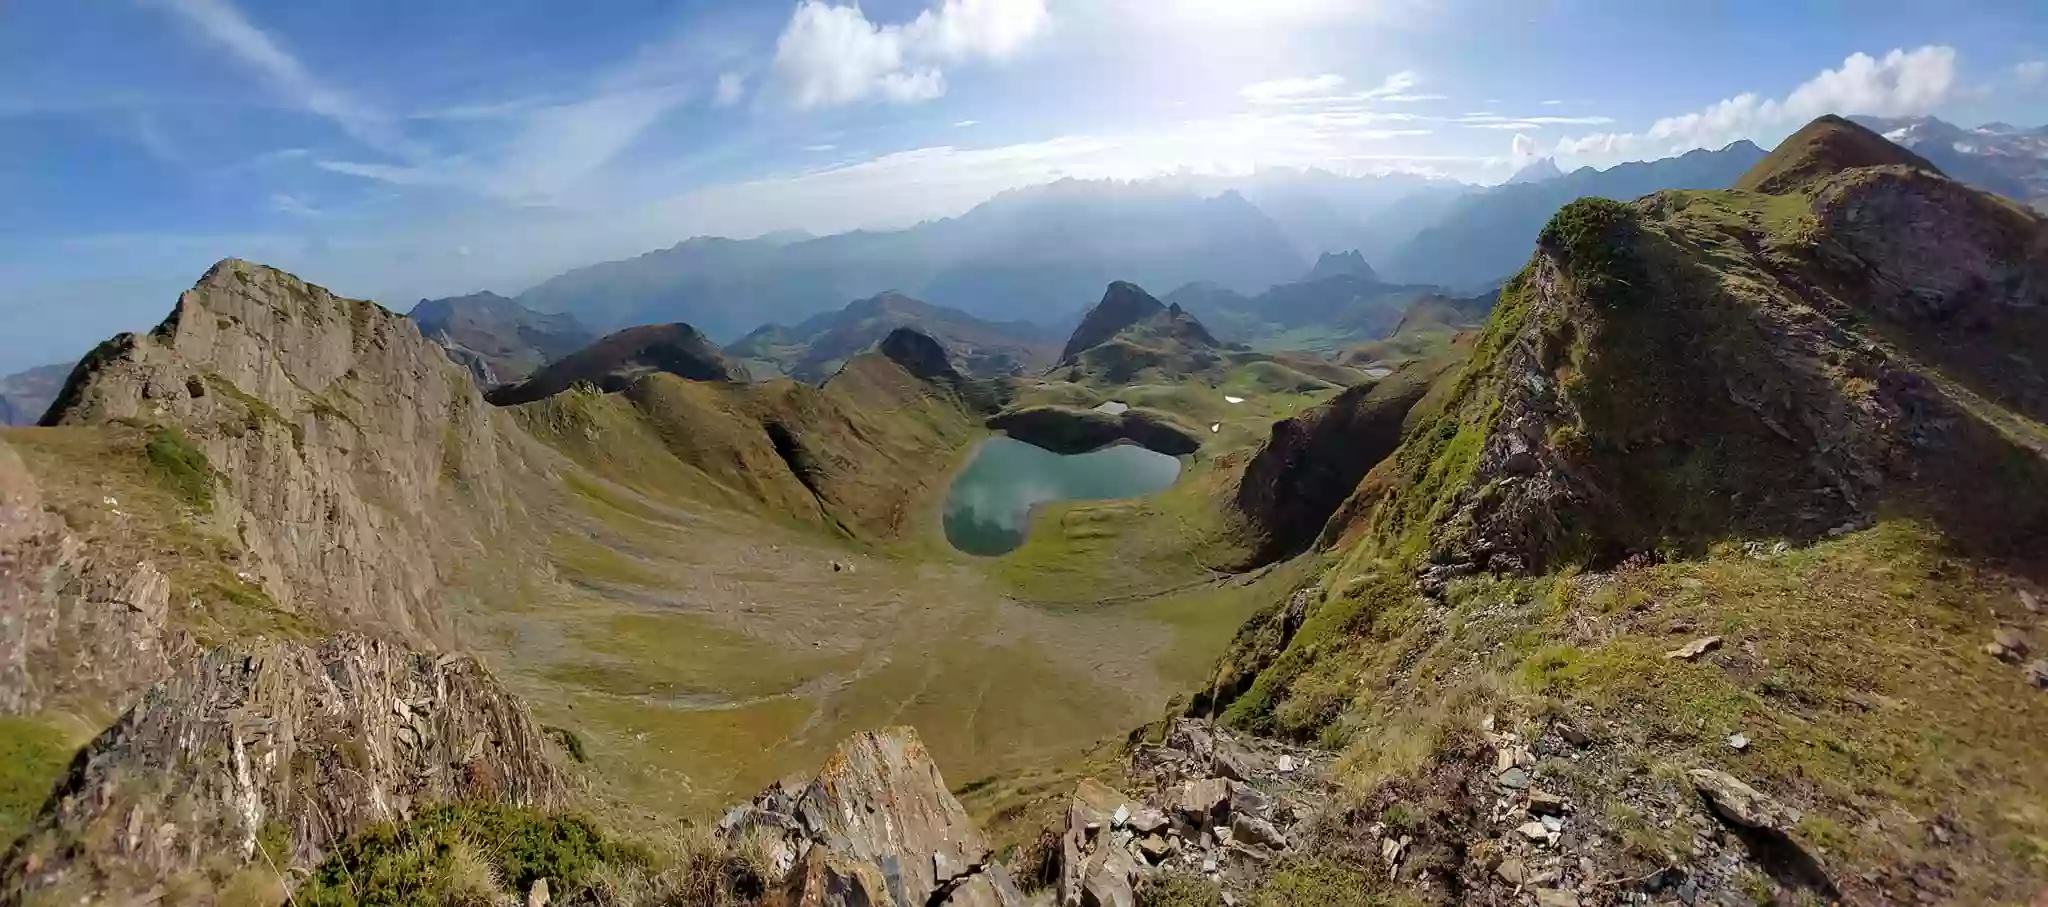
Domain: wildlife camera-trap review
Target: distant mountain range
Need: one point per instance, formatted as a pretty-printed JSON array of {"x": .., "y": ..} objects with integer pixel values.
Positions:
[
  {"x": 1995, "y": 157},
  {"x": 817, "y": 346},
  {"x": 498, "y": 340},
  {"x": 1040, "y": 253},
  {"x": 1045, "y": 250},
  {"x": 25, "y": 395},
  {"x": 1334, "y": 308},
  {"x": 1487, "y": 236}
]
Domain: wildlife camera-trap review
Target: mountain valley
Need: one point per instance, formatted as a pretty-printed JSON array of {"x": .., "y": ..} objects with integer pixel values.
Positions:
[{"x": 1699, "y": 561}]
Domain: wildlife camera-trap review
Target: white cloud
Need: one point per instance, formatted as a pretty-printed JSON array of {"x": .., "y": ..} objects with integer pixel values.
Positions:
[
  {"x": 1903, "y": 83},
  {"x": 1522, "y": 151},
  {"x": 224, "y": 25},
  {"x": 287, "y": 203},
  {"x": 1552, "y": 103},
  {"x": 1275, "y": 91},
  {"x": 731, "y": 86},
  {"x": 2031, "y": 73},
  {"x": 966, "y": 123},
  {"x": 830, "y": 55},
  {"x": 820, "y": 148},
  {"x": 1523, "y": 124},
  {"x": 1396, "y": 84},
  {"x": 1325, "y": 90}
]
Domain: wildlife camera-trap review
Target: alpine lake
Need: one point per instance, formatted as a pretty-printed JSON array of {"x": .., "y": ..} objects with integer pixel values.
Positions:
[{"x": 988, "y": 507}]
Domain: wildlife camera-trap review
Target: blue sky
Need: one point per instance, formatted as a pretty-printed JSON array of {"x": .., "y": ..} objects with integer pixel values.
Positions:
[{"x": 396, "y": 149}]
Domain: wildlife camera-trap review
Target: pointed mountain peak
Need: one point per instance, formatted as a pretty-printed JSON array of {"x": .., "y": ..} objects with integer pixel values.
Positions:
[
  {"x": 1123, "y": 304},
  {"x": 1543, "y": 168},
  {"x": 1352, "y": 263},
  {"x": 1825, "y": 147}
]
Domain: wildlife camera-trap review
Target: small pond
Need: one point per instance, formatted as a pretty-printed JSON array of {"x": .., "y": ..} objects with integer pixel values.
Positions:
[{"x": 989, "y": 506}]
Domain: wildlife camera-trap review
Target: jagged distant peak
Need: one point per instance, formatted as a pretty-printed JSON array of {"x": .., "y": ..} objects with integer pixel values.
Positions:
[
  {"x": 1333, "y": 264},
  {"x": 1543, "y": 168}
]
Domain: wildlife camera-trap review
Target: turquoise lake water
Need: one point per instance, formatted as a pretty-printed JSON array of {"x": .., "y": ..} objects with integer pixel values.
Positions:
[{"x": 988, "y": 509}]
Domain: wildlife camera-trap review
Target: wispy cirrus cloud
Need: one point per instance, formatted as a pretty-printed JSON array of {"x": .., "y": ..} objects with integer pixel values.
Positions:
[
  {"x": 223, "y": 25},
  {"x": 1328, "y": 89}
]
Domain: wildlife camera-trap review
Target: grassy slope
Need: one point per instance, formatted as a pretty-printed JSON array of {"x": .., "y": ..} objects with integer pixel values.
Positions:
[
  {"x": 1855, "y": 665},
  {"x": 684, "y": 628}
]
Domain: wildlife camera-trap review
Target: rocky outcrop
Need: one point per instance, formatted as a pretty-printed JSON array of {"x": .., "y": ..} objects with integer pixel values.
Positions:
[
  {"x": 1311, "y": 463},
  {"x": 1071, "y": 430},
  {"x": 1211, "y": 805},
  {"x": 1124, "y": 304},
  {"x": 876, "y": 828},
  {"x": 264, "y": 757},
  {"x": 334, "y": 434},
  {"x": 617, "y": 360},
  {"x": 74, "y": 626}
]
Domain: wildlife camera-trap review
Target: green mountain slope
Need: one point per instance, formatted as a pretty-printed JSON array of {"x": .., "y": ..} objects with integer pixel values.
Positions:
[{"x": 1725, "y": 486}]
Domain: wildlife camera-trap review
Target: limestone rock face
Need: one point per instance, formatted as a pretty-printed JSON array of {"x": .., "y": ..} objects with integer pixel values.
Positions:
[
  {"x": 72, "y": 623},
  {"x": 336, "y": 431},
  {"x": 292, "y": 745},
  {"x": 876, "y": 828}
]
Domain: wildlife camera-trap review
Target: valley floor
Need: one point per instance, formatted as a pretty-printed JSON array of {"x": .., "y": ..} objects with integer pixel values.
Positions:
[{"x": 700, "y": 654}]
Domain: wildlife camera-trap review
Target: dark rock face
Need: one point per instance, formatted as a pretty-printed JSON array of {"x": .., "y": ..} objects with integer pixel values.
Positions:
[
  {"x": 919, "y": 355},
  {"x": 876, "y": 828},
  {"x": 1349, "y": 264},
  {"x": 1123, "y": 305},
  {"x": 1311, "y": 463},
  {"x": 1067, "y": 430},
  {"x": 621, "y": 358},
  {"x": 292, "y": 746}
]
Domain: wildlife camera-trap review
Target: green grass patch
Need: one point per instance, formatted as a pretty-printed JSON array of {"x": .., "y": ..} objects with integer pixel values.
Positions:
[
  {"x": 181, "y": 467},
  {"x": 584, "y": 558},
  {"x": 467, "y": 854},
  {"x": 33, "y": 758},
  {"x": 1327, "y": 883},
  {"x": 679, "y": 654}
]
